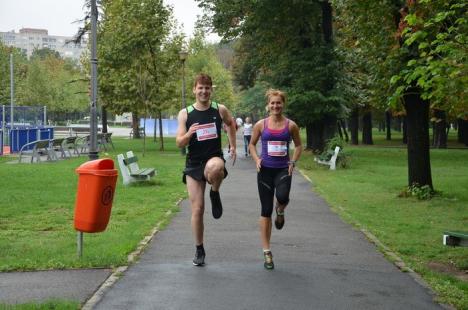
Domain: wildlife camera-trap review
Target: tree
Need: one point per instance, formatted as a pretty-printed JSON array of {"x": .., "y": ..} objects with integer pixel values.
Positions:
[
  {"x": 422, "y": 64},
  {"x": 203, "y": 58},
  {"x": 294, "y": 53},
  {"x": 139, "y": 54}
]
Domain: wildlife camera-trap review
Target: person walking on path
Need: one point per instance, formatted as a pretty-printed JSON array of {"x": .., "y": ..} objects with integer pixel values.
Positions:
[
  {"x": 274, "y": 166},
  {"x": 247, "y": 135},
  {"x": 199, "y": 128}
]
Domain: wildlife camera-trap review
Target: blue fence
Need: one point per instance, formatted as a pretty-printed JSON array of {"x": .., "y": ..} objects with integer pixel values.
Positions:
[
  {"x": 20, "y": 136},
  {"x": 169, "y": 126}
]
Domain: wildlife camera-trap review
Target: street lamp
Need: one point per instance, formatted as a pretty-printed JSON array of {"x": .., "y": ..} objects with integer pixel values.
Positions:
[
  {"x": 93, "y": 152},
  {"x": 183, "y": 57}
]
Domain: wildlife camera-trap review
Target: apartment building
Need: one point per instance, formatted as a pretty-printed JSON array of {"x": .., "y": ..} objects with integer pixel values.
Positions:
[{"x": 29, "y": 39}]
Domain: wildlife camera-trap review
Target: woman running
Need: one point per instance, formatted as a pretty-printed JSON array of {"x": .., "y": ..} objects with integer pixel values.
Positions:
[{"x": 274, "y": 166}]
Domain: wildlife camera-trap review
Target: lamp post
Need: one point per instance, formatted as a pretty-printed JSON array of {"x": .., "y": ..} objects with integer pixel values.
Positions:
[
  {"x": 183, "y": 56},
  {"x": 93, "y": 152}
]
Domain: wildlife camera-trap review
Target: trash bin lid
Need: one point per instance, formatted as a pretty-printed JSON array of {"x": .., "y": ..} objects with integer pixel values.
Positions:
[{"x": 104, "y": 166}]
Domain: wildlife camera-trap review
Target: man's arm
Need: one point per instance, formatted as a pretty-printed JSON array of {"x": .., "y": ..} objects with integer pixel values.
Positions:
[
  {"x": 231, "y": 130},
  {"x": 183, "y": 136},
  {"x": 256, "y": 132}
]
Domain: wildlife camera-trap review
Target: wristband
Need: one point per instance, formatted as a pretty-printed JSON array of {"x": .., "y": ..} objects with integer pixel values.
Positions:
[{"x": 293, "y": 162}]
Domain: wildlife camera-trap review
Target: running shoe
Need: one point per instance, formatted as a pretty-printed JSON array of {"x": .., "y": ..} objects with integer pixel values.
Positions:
[
  {"x": 268, "y": 264},
  {"x": 199, "y": 259},
  {"x": 216, "y": 205},
  {"x": 279, "y": 220}
]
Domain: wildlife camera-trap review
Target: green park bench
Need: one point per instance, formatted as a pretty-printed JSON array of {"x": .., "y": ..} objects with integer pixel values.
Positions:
[
  {"x": 130, "y": 170},
  {"x": 455, "y": 238}
]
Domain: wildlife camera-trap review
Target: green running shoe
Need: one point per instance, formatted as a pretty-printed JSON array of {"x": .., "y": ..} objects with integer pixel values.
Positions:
[{"x": 268, "y": 264}]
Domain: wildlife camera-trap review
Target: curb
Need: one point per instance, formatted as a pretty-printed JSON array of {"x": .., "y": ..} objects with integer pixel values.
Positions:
[{"x": 118, "y": 273}]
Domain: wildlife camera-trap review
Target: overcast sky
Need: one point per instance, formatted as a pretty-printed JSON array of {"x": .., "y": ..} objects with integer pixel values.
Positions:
[{"x": 58, "y": 16}]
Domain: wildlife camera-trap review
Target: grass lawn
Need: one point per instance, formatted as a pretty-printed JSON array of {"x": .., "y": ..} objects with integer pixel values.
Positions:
[
  {"x": 37, "y": 210},
  {"x": 366, "y": 195},
  {"x": 36, "y": 214}
]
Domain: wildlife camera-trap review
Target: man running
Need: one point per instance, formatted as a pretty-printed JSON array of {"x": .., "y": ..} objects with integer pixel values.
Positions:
[{"x": 199, "y": 128}]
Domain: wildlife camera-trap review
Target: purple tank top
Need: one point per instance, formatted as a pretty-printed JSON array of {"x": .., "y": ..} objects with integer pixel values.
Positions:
[{"x": 275, "y": 146}]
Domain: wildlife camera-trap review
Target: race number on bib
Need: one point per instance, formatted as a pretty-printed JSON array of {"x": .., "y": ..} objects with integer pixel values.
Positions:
[
  {"x": 277, "y": 148},
  {"x": 207, "y": 132}
]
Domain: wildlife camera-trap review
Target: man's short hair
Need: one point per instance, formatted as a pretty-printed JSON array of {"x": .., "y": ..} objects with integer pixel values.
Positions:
[{"x": 204, "y": 79}]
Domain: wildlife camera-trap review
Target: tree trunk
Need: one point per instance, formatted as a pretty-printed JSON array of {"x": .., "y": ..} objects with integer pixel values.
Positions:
[
  {"x": 329, "y": 127},
  {"x": 340, "y": 132},
  {"x": 464, "y": 129},
  {"x": 104, "y": 119},
  {"x": 460, "y": 130},
  {"x": 397, "y": 125},
  {"x": 342, "y": 124},
  {"x": 354, "y": 126},
  {"x": 327, "y": 21},
  {"x": 440, "y": 129},
  {"x": 367, "y": 128},
  {"x": 135, "y": 125},
  {"x": 417, "y": 115},
  {"x": 314, "y": 133},
  {"x": 161, "y": 138},
  {"x": 388, "y": 124},
  {"x": 405, "y": 130}
]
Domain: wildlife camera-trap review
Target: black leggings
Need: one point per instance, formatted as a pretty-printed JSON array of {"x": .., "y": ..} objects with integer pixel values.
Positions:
[{"x": 273, "y": 182}]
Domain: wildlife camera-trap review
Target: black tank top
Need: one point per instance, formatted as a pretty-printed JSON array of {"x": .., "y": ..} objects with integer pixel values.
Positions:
[{"x": 206, "y": 142}]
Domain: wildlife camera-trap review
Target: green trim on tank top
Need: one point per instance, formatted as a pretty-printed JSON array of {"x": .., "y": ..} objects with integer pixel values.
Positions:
[{"x": 191, "y": 107}]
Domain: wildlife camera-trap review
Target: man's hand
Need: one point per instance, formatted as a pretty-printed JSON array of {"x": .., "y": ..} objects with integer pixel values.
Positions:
[
  {"x": 193, "y": 128},
  {"x": 233, "y": 155}
]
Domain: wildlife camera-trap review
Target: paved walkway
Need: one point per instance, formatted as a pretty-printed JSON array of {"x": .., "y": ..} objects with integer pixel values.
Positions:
[{"x": 320, "y": 262}]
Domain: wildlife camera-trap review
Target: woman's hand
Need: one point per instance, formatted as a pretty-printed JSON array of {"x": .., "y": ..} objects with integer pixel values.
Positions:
[
  {"x": 258, "y": 163},
  {"x": 291, "y": 165}
]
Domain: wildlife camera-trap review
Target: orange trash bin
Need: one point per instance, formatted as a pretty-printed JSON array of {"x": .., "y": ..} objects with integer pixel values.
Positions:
[{"x": 96, "y": 187}]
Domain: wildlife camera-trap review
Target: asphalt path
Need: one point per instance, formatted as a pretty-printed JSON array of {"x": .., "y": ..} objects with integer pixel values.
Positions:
[{"x": 320, "y": 261}]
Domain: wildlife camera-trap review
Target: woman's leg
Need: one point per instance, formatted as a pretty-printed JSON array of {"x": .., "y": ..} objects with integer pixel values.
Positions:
[
  {"x": 266, "y": 193},
  {"x": 283, "y": 188}
]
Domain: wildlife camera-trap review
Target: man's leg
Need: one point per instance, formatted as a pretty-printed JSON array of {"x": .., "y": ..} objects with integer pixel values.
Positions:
[
  {"x": 196, "y": 192},
  {"x": 214, "y": 174}
]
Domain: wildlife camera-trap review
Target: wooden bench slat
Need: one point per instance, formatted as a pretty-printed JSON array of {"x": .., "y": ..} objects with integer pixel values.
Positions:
[
  {"x": 130, "y": 160},
  {"x": 144, "y": 172}
]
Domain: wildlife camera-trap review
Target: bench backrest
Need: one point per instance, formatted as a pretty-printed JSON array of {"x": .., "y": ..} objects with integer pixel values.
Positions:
[
  {"x": 40, "y": 144},
  {"x": 57, "y": 142},
  {"x": 133, "y": 166},
  {"x": 130, "y": 160},
  {"x": 70, "y": 140}
]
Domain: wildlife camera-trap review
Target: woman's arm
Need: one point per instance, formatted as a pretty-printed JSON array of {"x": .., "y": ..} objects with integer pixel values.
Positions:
[{"x": 256, "y": 133}]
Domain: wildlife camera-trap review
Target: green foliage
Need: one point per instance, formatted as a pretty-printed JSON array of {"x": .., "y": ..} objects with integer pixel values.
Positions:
[
  {"x": 202, "y": 58},
  {"x": 44, "y": 79},
  {"x": 343, "y": 159},
  {"x": 365, "y": 35},
  {"x": 138, "y": 55},
  {"x": 290, "y": 53},
  {"x": 420, "y": 192},
  {"x": 252, "y": 101},
  {"x": 434, "y": 47}
]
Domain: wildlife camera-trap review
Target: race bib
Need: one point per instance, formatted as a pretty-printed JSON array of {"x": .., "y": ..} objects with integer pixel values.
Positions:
[
  {"x": 277, "y": 148},
  {"x": 207, "y": 132}
]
